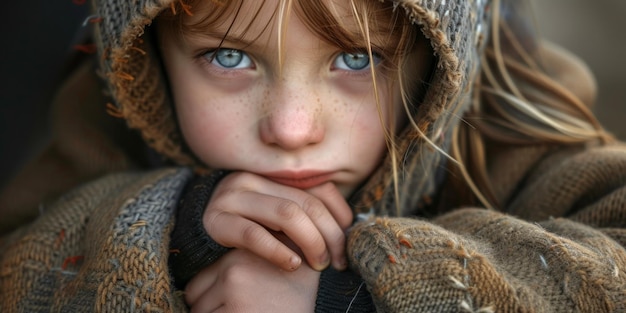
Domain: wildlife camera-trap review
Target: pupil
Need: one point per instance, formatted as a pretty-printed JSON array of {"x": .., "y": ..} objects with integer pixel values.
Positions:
[
  {"x": 229, "y": 57},
  {"x": 356, "y": 61}
]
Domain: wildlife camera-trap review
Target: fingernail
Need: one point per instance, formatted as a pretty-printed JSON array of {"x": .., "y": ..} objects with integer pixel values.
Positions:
[
  {"x": 294, "y": 263},
  {"x": 341, "y": 265},
  {"x": 324, "y": 262}
]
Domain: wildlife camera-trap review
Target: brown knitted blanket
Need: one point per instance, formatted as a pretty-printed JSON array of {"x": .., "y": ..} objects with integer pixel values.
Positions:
[
  {"x": 104, "y": 247},
  {"x": 475, "y": 260},
  {"x": 100, "y": 248}
]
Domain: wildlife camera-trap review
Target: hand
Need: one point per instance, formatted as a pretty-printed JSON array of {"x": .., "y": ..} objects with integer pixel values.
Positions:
[
  {"x": 241, "y": 281},
  {"x": 248, "y": 211}
]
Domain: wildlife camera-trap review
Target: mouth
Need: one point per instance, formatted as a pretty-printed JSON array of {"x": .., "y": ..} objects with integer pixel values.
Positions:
[{"x": 301, "y": 180}]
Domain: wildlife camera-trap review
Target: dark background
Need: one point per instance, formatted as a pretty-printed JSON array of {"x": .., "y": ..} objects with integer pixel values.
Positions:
[{"x": 36, "y": 36}]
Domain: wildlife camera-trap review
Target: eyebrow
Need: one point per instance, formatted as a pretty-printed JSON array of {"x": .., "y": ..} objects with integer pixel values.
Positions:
[{"x": 222, "y": 37}]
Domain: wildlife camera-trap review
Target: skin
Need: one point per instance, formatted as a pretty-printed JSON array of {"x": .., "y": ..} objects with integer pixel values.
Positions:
[{"x": 300, "y": 136}]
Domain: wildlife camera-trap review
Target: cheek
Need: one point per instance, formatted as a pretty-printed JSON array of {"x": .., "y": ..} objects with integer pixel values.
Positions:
[
  {"x": 367, "y": 138},
  {"x": 214, "y": 115},
  {"x": 211, "y": 127},
  {"x": 370, "y": 142},
  {"x": 370, "y": 136},
  {"x": 203, "y": 128}
]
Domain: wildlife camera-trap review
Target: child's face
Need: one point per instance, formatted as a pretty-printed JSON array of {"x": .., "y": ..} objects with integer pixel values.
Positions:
[{"x": 314, "y": 119}]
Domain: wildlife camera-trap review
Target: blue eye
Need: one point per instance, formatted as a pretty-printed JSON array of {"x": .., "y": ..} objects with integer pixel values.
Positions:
[
  {"x": 354, "y": 61},
  {"x": 229, "y": 58}
]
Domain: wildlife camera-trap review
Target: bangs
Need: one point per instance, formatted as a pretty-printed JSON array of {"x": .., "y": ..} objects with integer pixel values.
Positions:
[
  {"x": 365, "y": 24},
  {"x": 192, "y": 17},
  {"x": 362, "y": 25}
]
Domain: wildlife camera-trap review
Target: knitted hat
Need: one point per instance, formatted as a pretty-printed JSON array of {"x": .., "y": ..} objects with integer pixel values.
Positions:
[{"x": 455, "y": 28}]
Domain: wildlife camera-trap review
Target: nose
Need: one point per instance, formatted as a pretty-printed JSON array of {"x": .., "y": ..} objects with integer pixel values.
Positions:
[{"x": 293, "y": 118}]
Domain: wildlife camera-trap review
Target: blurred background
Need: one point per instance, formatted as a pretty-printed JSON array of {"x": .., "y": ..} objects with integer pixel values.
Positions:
[
  {"x": 593, "y": 30},
  {"x": 36, "y": 35}
]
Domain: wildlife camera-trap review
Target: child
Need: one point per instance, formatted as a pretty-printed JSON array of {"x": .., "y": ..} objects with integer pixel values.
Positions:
[{"x": 301, "y": 115}]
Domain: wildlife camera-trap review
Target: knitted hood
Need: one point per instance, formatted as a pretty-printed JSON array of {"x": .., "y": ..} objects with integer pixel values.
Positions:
[{"x": 456, "y": 30}]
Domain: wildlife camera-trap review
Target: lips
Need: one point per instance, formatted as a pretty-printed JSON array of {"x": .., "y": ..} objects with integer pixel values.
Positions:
[{"x": 300, "y": 180}]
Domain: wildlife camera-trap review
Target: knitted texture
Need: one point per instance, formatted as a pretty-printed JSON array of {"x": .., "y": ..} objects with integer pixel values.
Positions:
[
  {"x": 337, "y": 288},
  {"x": 104, "y": 247},
  {"x": 192, "y": 248},
  {"x": 456, "y": 31},
  {"x": 101, "y": 248},
  {"x": 134, "y": 74},
  {"x": 572, "y": 182},
  {"x": 472, "y": 262}
]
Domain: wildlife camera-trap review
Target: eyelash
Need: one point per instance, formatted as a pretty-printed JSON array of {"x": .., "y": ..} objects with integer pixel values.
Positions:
[
  {"x": 362, "y": 73},
  {"x": 208, "y": 59},
  {"x": 208, "y": 63},
  {"x": 216, "y": 54}
]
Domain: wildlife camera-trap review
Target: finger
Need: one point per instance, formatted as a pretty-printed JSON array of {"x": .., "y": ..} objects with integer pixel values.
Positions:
[
  {"x": 342, "y": 215},
  {"x": 280, "y": 208},
  {"x": 335, "y": 202},
  {"x": 327, "y": 223},
  {"x": 328, "y": 193},
  {"x": 331, "y": 198},
  {"x": 291, "y": 218},
  {"x": 327, "y": 210},
  {"x": 237, "y": 231},
  {"x": 329, "y": 213}
]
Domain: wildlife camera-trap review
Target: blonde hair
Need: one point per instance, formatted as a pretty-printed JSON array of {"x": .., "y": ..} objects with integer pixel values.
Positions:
[{"x": 515, "y": 101}]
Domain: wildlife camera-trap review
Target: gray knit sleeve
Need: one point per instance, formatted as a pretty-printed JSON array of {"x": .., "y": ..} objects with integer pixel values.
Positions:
[
  {"x": 192, "y": 249},
  {"x": 343, "y": 292}
]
